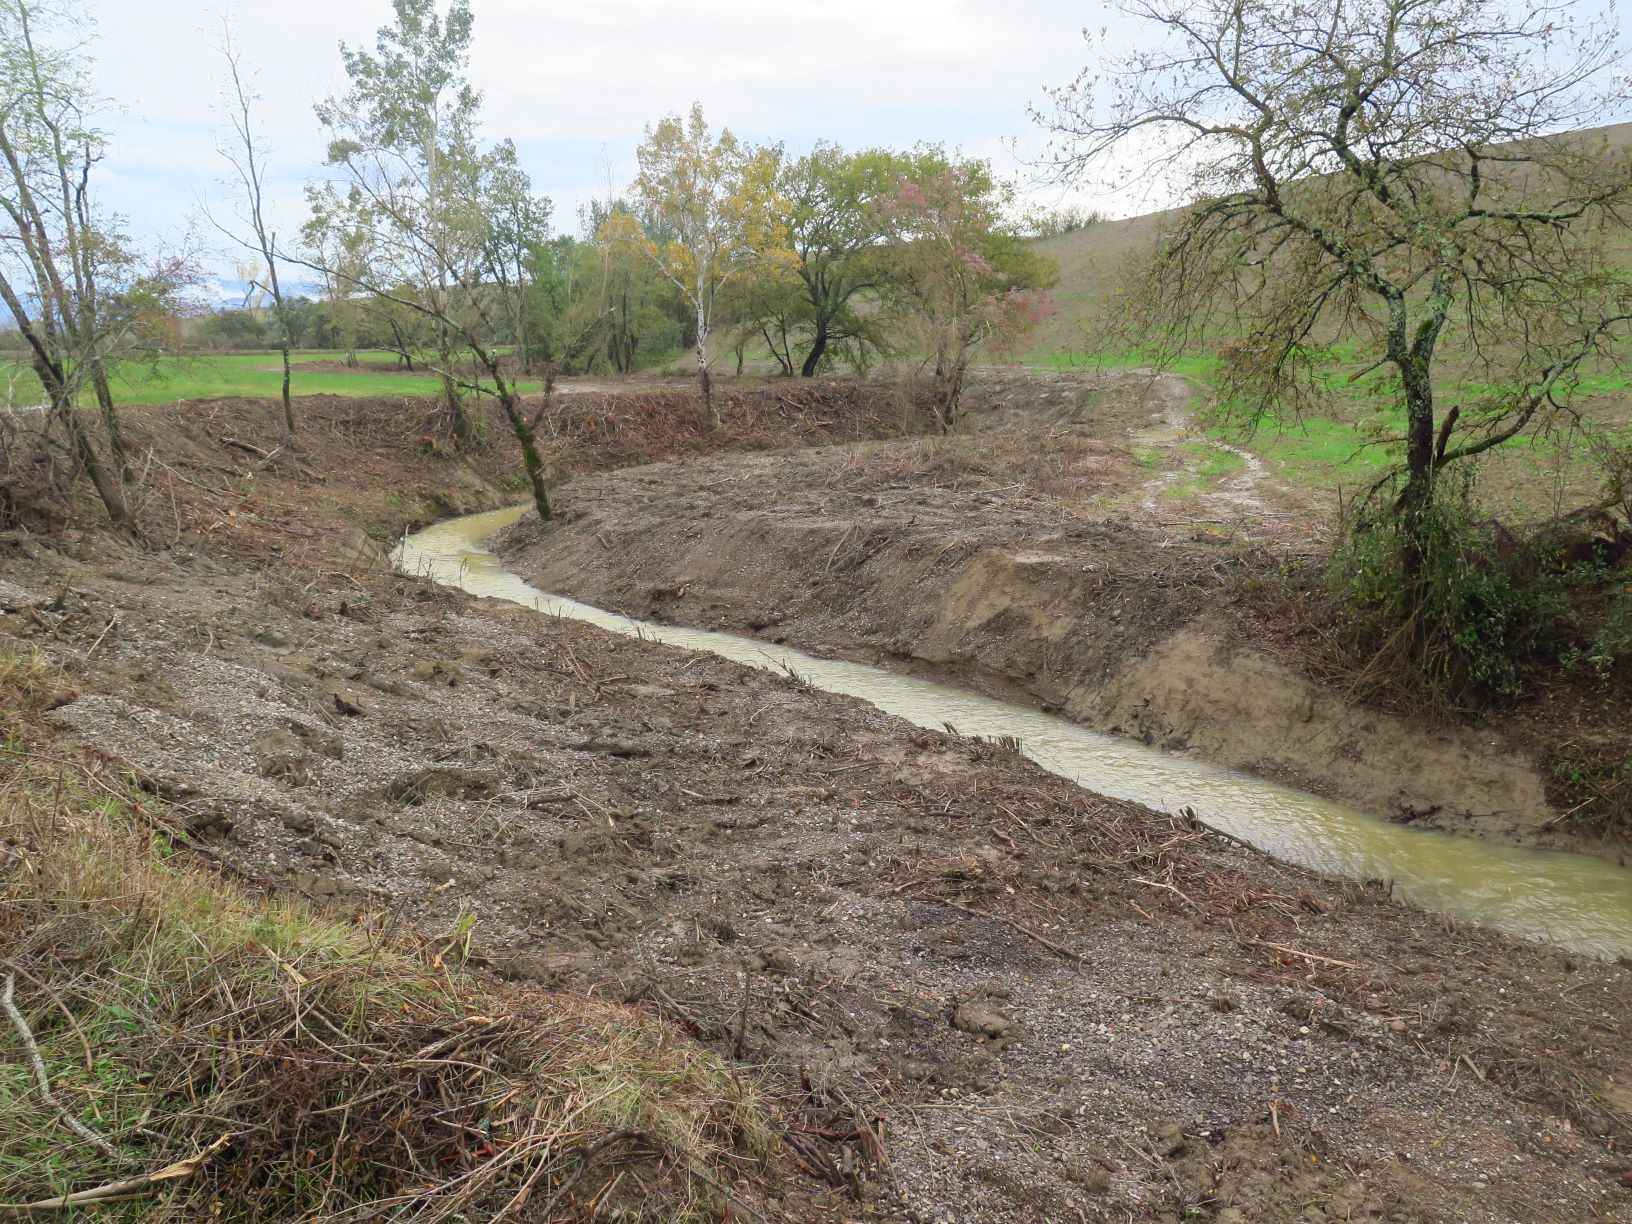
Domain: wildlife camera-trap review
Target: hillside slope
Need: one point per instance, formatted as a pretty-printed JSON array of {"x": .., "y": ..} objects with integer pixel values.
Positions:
[{"x": 1094, "y": 263}]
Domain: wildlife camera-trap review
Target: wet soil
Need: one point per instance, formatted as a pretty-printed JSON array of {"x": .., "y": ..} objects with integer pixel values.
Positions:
[
  {"x": 1045, "y": 1005},
  {"x": 1039, "y": 557}
]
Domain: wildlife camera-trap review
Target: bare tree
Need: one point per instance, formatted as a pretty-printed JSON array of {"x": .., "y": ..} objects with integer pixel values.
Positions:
[
  {"x": 76, "y": 291},
  {"x": 246, "y": 153},
  {"x": 1375, "y": 176}
]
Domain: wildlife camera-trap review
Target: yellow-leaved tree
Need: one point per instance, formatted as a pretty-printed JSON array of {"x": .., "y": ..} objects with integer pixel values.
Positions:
[{"x": 713, "y": 215}]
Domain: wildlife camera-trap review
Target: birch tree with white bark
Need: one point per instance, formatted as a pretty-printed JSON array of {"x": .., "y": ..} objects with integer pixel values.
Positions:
[{"x": 717, "y": 198}]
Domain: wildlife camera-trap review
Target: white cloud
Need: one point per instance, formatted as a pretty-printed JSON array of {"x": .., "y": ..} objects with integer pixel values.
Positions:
[{"x": 575, "y": 84}]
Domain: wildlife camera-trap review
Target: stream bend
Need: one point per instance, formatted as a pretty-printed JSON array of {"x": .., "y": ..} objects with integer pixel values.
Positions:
[{"x": 1576, "y": 901}]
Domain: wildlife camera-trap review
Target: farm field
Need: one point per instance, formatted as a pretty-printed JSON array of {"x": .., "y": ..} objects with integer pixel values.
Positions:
[{"x": 223, "y": 375}]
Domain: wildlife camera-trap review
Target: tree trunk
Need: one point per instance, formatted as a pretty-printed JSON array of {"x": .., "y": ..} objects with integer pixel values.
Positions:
[
  {"x": 783, "y": 361},
  {"x": 288, "y": 403},
  {"x": 623, "y": 340},
  {"x": 818, "y": 349},
  {"x": 950, "y": 375},
  {"x": 702, "y": 365},
  {"x": 405, "y": 356},
  {"x": 107, "y": 487},
  {"x": 110, "y": 422},
  {"x": 524, "y": 363},
  {"x": 1416, "y": 499},
  {"x": 464, "y": 432},
  {"x": 286, "y": 339},
  {"x": 1414, "y": 507},
  {"x": 531, "y": 461}
]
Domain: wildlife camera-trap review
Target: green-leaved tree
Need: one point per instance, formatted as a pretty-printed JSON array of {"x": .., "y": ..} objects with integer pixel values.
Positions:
[
  {"x": 716, "y": 201},
  {"x": 402, "y": 141}
]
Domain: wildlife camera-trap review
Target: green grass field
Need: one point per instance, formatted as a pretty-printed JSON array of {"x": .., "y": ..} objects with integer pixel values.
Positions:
[
  {"x": 217, "y": 376},
  {"x": 1354, "y": 437}
]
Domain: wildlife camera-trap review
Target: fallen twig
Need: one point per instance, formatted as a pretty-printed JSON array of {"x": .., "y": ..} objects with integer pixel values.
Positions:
[
  {"x": 238, "y": 444},
  {"x": 43, "y": 1081},
  {"x": 114, "y": 620},
  {"x": 113, "y": 1192},
  {"x": 1169, "y": 887},
  {"x": 1058, "y": 949},
  {"x": 62, "y": 1008},
  {"x": 1313, "y": 956},
  {"x": 742, "y": 1017}
]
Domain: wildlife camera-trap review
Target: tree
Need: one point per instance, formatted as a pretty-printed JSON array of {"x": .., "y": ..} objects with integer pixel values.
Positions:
[
  {"x": 78, "y": 293},
  {"x": 837, "y": 204},
  {"x": 1380, "y": 176},
  {"x": 518, "y": 234},
  {"x": 960, "y": 277},
  {"x": 339, "y": 262},
  {"x": 415, "y": 231},
  {"x": 246, "y": 154},
  {"x": 770, "y": 305},
  {"x": 463, "y": 314},
  {"x": 404, "y": 138},
  {"x": 382, "y": 322},
  {"x": 618, "y": 302},
  {"x": 716, "y": 196}
]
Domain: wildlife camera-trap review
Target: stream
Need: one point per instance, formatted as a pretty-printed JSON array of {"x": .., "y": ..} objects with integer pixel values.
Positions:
[{"x": 1575, "y": 901}]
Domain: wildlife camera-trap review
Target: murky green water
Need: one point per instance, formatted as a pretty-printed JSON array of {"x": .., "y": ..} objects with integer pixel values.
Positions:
[{"x": 1576, "y": 901}]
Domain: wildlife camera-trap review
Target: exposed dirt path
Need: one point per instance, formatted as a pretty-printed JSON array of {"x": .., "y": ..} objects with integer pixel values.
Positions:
[
  {"x": 1235, "y": 498},
  {"x": 1050, "y": 1006}
]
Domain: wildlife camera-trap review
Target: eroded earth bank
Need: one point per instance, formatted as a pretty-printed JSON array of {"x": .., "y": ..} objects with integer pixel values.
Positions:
[
  {"x": 1041, "y": 1005},
  {"x": 1046, "y": 556}
]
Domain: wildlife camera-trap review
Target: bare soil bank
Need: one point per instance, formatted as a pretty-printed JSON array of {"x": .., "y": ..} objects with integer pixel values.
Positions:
[
  {"x": 1046, "y": 1006},
  {"x": 1031, "y": 561}
]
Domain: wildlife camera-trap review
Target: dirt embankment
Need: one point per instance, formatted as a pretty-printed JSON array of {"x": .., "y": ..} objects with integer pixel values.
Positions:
[
  {"x": 1036, "y": 560},
  {"x": 1034, "y": 1003}
]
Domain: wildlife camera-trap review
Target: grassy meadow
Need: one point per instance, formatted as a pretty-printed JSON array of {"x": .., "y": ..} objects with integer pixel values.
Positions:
[{"x": 223, "y": 375}]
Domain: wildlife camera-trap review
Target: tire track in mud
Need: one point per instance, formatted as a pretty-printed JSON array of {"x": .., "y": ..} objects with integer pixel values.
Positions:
[{"x": 1240, "y": 492}]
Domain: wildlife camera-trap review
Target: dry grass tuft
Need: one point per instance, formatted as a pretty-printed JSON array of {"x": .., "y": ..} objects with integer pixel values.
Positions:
[{"x": 26, "y": 674}]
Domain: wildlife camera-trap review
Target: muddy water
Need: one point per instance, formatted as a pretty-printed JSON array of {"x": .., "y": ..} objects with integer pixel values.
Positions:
[{"x": 1577, "y": 901}]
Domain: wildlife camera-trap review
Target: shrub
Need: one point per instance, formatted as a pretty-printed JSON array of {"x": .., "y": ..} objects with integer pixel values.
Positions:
[
  {"x": 1487, "y": 603},
  {"x": 1590, "y": 780}
]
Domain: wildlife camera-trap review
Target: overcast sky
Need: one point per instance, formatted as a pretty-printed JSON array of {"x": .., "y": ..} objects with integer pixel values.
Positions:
[{"x": 575, "y": 83}]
